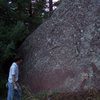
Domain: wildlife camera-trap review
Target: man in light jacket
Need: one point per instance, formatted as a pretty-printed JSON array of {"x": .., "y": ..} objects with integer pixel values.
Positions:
[{"x": 13, "y": 86}]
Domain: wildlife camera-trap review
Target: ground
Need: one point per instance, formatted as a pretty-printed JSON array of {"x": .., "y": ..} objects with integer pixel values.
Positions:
[{"x": 86, "y": 95}]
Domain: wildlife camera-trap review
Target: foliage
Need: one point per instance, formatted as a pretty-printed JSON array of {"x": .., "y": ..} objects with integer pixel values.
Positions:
[
  {"x": 10, "y": 38},
  {"x": 16, "y": 23},
  {"x": 18, "y": 18},
  {"x": 27, "y": 95}
]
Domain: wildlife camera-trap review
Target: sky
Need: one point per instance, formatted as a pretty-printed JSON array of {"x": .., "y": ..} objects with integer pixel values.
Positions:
[
  {"x": 55, "y": 0},
  {"x": 48, "y": 5}
]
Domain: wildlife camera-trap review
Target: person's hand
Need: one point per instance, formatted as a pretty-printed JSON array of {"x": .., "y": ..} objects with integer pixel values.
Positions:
[{"x": 15, "y": 87}]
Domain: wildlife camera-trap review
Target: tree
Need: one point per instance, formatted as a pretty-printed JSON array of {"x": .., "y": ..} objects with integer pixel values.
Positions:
[
  {"x": 18, "y": 18},
  {"x": 50, "y": 5}
]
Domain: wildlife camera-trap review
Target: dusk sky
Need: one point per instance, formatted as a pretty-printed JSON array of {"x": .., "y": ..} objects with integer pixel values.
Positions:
[
  {"x": 54, "y": 7},
  {"x": 55, "y": 0}
]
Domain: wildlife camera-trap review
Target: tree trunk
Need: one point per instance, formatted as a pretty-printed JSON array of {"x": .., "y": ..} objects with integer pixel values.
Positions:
[
  {"x": 30, "y": 9},
  {"x": 50, "y": 5}
]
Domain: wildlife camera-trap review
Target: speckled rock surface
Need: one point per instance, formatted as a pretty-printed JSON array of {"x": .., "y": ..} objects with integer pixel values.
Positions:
[{"x": 63, "y": 54}]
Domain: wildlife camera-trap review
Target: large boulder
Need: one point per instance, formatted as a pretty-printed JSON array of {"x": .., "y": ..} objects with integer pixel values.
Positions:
[{"x": 63, "y": 54}]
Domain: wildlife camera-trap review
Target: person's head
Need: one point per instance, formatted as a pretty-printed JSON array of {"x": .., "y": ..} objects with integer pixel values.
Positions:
[{"x": 18, "y": 60}]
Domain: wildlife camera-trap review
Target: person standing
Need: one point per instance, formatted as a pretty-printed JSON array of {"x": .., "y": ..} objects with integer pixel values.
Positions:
[{"x": 14, "y": 90}]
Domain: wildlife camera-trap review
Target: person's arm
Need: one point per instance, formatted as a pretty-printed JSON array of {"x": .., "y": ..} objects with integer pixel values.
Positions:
[
  {"x": 13, "y": 73},
  {"x": 14, "y": 81}
]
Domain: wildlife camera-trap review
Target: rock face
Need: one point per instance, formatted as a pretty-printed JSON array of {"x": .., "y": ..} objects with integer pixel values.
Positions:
[{"x": 63, "y": 54}]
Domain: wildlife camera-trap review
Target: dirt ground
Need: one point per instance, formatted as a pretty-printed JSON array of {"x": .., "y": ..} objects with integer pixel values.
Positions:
[{"x": 86, "y": 95}]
